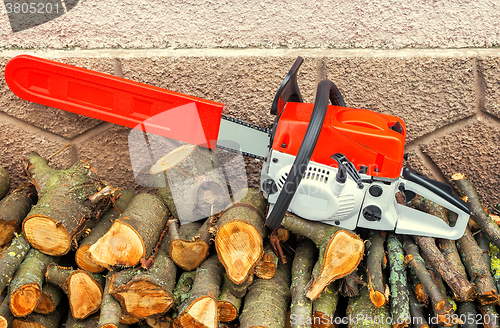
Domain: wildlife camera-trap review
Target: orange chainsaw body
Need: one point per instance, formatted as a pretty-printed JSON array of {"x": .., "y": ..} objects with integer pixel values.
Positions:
[{"x": 363, "y": 136}]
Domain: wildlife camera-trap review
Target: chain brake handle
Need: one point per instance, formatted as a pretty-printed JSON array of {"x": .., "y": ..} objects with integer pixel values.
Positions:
[{"x": 326, "y": 91}]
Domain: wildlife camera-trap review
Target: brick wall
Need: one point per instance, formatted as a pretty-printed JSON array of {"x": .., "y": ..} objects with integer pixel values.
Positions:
[{"x": 448, "y": 97}]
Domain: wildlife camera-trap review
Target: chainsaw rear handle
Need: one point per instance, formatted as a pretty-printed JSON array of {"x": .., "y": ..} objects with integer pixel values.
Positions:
[{"x": 326, "y": 91}]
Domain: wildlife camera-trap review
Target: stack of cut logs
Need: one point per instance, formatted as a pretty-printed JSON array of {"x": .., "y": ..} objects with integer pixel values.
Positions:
[{"x": 79, "y": 253}]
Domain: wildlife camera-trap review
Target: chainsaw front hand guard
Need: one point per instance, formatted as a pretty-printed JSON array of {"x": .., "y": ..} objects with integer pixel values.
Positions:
[{"x": 326, "y": 91}]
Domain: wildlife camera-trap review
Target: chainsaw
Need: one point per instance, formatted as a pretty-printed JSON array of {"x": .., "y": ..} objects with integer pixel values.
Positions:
[{"x": 324, "y": 162}]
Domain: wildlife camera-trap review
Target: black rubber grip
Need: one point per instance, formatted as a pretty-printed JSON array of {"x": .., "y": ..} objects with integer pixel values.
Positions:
[{"x": 326, "y": 90}]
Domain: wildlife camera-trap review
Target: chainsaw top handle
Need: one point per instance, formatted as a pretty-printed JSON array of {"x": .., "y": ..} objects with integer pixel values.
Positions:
[{"x": 326, "y": 91}]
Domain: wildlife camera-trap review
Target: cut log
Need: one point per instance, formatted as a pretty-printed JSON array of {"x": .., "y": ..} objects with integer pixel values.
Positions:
[
  {"x": 490, "y": 317},
  {"x": 161, "y": 322},
  {"x": 340, "y": 250},
  {"x": 240, "y": 234},
  {"x": 302, "y": 266},
  {"x": 6, "y": 317},
  {"x": 283, "y": 234},
  {"x": 365, "y": 314},
  {"x": 375, "y": 263},
  {"x": 495, "y": 264},
  {"x": 419, "y": 319},
  {"x": 189, "y": 244},
  {"x": 200, "y": 309},
  {"x": 69, "y": 201},
  {"x": 36, "y": 320},
  {"x": 228, "y": 305},
  {"x": 241, "y": 290},
  {"x": 183, "y": 288},
  {"x": 132, "y": 236},
  {"x": 442, "y": 308},
  {"x": 4, "y": 182},
  {"x": 50, "y": 299},
  {"x": 467, "y": 312},
  {"x": 25, "y": 289},
  {"x": 349, "y": 285},
  {"x": 479, "y": 271},
  {"x": 458, "y": 283},
  {"x": 13, "y": 210},
  {"x": 82, "y": 255},
  {"x": 146, "y": 293},
  {"x": 190, "y": 182},
  {"x": 419, "y": 291},
  {"x": 266, "y": 302},
  {"x": 12, "y": 259},
  {"x": 111, "y": 310},
  {"x": 268, "y": 264},
  {"x": 84, "y": 289},
  {"x": 325, "y": 306},
  {"x": 476, "y": 209},
  {"x": 400, "y": 303},
  {"x": 90, "y": 322}
]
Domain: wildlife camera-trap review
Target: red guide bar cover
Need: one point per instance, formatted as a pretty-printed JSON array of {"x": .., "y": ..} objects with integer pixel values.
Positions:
[{"x": 114, "y": 99}]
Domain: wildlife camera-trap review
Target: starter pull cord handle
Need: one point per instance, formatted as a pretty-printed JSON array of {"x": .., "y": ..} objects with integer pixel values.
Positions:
[{"x": 326, "y": 91}]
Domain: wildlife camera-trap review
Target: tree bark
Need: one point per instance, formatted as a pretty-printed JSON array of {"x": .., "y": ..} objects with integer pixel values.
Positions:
[
  {"x": 467, "y": 312},
  {"x": 417, "y": 314},
  {"x": 375, "y": 263},
  {"x": 302, "y": 266},
  {"x": 325, "y": 306},
  {"x": 479, "y": 271},
  {"x": 6, "y": 317},
  {"x": 111, "y": 310},
  {"x": 189, "y": 244},
  {"x": 36, "y": 320},
  {"x": 190, "y": 183},
  {"x": 133, "y": 235},
  {"x": 4, "y": 182},
  {"x": 365, "y": 314},
  {"x": 200, "y": 309},
  {"x": 349, "y": 285},
  {"x": 161, "y": 322},
  {"x": 84, "y": 289},
  {"x": 440, "y": 304},
  {"x": 340, "y": 250},
  {"x": 241, "y": 289},
  {"x": 69, "y": 202},
  {"x": 90, "y": 322},
  {"x": 183, "y": 287},
  {"x": 25, "y": 289},
  {"x": 228, "y": 305},
  {"x": 12, "y": 259},
  {"x": 13, "y": 210},
  {"x": 458, "y": 283},
  {"x": 147, "y": 293},
  {"x": 400, "y": 303},
  {"x": 490, "y": 317},
  {"x": 240, "y": 234},
  {"x": 476, "y": 209},
  {"x": 266, "y": 302},
  {"x": 268, "y": 264},
  {"x": 82, "y": 255},
  {"x": 495, "y": 264}
]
